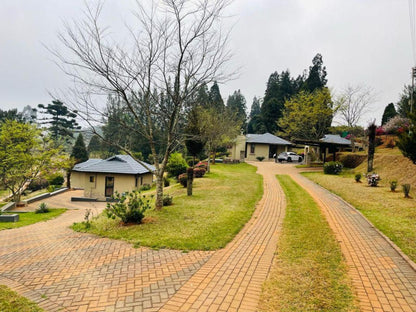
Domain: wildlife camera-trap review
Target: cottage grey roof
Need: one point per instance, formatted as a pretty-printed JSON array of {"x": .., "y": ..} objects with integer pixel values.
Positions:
[
  {"x": 124, "y": 164},
  {"x": 266, "y": 138},
  {"x": 335, "y": 139}
]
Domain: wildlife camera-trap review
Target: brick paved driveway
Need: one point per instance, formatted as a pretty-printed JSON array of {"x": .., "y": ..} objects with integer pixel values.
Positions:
[{"x": 64, "y": 270}]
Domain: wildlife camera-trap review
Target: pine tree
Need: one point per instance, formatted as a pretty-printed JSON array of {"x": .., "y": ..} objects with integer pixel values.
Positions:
[
  {"x": 407, "y": 140},
  {"x": 389, "y": 112},
  {"x": 317, "y": 75},
  {"x": 79, "y": 151},
  {"x": 403, "y": 106},
  {"x": 236, "y": 104},
  {"x": 61, "y": 120},
  {"x": 215, "y": 98}
]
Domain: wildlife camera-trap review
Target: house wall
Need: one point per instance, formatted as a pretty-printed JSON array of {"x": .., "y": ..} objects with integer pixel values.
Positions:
[
  {"x": 259, "y": 150},
  {"x": 238, "y": 146},
  {"x": 96, "y": 189}
]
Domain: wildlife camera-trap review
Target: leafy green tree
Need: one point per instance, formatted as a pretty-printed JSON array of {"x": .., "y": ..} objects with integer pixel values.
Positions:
[
  {"x": 389, "y": 112},
  {"x": 61, "y": 120},
  {"x": 403, "y": 106},
  {"x": 193, "y": 138},
  {"x": 307, "y": 115},
  {"x": 24, "y": 154},
  {"x": 176, "y": 165},
  {"x": 11, "y": 114},
  {"x": 407, "y": 140},
  {"x": 79, "y": 151},
  {"x": 236, "y": 104},
  {"x": 255, "y": 108},
  {"x": 94, "y": 146},
  {"x": 316, "y": 76}
]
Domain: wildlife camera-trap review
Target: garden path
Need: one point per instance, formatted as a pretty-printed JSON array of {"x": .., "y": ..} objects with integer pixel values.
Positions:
[{"x": 383, "y": 278}]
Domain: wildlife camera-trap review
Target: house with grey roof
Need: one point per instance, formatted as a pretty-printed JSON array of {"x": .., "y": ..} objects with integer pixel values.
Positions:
[
  {"x": 251, "y": 146},
  {"x": 100, "y": 178}
]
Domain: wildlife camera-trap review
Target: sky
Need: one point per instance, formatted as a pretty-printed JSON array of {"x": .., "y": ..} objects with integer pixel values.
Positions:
[{"x": 362, "y": 42}]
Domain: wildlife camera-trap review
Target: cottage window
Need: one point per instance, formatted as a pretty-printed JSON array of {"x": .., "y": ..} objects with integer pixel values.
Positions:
[
  {"x": 92, "y": 179},
  {"x": 136, "y": 181},
  {"x": 252, "y": 148}
]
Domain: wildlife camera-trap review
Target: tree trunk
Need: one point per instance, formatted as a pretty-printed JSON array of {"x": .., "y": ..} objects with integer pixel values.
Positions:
[
  {"x": 371, "y": 146},
  {"x": 190, "y": 179},
  {"x": 159, "y": 190},
  {"x": 68, "y": 179}
]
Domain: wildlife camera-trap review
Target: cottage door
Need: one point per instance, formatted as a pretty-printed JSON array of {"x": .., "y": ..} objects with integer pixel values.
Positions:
[{"x": 109, "y": 186}]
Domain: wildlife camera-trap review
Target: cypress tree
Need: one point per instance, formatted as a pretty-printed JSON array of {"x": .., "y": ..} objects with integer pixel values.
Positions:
[{"x": 79, "y": 151}]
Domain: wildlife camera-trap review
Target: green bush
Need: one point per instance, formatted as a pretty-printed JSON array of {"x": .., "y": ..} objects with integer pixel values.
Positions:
[
  {"x": 167, "y": 200},
  {"x": 260, "y": 158},
  {"x": 393, "y": 185},
  {"x": 333, "y": 167},
  {"x": 52, "y": 188},
  {"x": 166, "y": 182},
  {"x": 129, "y": 207},
  {"x": 406, "y": 190},
  {"x": 56, "y": 179},
  {"x": 199, "y": 172},
  {"x": 352, "y": 160},
  {"x": 38, "y": 184},
  {"x": 183, "y": 179},
  {"x": 176, "y": 165},
  {"x": 357, "y": 177},
  {"x": 43, "y": 208},
  {"x": 145, "y": 187}
]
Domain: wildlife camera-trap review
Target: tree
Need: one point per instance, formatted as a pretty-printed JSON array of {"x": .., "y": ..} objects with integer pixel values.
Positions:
[
  {"x": 61, "y": 120},
  {"x": 79, "y": 151},
  {"x": 217, "y": 129},
  {"x": 193, "y": 140},
  {"x": 255, "y": 123},
  {"x": 11, "y": 114},
  {"x": 307, "y": 115},
  {"x": 353, "y": 102},
  {"x": 215, "y": 98},
  {"x": 407, "y": 140},
  {"x": 236, "y": 104},
  {"x": 180, "y": 47},
  {"x": 94, "y": 146},
  {"x": 29, "y": 114},
  {"x": 371, "y": 130},
  {"x": 403, "y": 106},
  {"x": 389, "y": 112},
  {"x": 24, "y": 154},
  {"x": 317, "y": 75}
]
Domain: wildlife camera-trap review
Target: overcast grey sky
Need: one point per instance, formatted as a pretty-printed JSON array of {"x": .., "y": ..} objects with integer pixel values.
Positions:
[{"x": 362, "y": 42}]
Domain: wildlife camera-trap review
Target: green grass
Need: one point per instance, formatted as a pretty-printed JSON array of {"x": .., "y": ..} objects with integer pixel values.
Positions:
[
  {"x": 390, "y": 212},
  {"x": 309, "y": 273},
  {"x": 10, "y": 301},
  {"x": 27, "y": 218},
  {"x": 222, "y": 202}
]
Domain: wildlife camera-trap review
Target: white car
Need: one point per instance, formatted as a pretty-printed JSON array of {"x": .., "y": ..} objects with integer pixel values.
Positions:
[{"x": 289, "y": 157}]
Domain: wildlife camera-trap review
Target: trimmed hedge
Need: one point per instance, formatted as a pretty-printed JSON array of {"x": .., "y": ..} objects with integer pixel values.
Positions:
[
  {"x": 199, "y": 172},
  {"x": 332, "y": 167}
]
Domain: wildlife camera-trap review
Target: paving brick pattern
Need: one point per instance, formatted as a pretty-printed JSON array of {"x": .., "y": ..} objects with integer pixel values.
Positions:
[
  {"x": 63, "y": 270},
  {"x": 383, "y": 278},
  {"x": 231, "y": 279}
]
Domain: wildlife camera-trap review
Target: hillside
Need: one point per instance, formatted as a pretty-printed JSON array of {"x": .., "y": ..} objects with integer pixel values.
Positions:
[{"x": 390, "y": 164}]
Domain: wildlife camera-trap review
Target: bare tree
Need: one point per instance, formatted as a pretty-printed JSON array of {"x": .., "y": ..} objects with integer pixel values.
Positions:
[
  {"x": 353, "y": 102},
  {"x": 175, "y": 48}
]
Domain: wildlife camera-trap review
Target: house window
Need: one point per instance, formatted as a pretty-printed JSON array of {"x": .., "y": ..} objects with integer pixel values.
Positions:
[
  {"x": 136, "y": 181},
  {"x": 252, "y": 148},
  {"x": 92, "y": 179}
]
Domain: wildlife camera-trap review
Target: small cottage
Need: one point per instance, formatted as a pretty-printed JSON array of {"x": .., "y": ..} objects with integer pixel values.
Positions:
[
  {"x": 251, "y": 146},
  {"x": 100, "y": 178}
]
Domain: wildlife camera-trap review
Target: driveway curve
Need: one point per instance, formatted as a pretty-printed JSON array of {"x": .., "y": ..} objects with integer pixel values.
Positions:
[{"x": 63, "y": 270}]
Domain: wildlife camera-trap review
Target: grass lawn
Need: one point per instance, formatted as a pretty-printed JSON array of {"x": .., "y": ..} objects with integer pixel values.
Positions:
[
  {"x": 10, "y": 301},
  {"x": 222, "y": 202},
  {"x": 309, "y": 273},
  {"x": 27, "y": 218},
  {"x": 390, "y": 212}
]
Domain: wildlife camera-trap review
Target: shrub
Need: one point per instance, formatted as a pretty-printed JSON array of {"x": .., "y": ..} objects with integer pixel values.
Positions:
[
  {"x": 166, "y": 182},
  {"x": 183, "y": 179},
  {"x": 358, "y": 177},
  {"x": 373, "y": 179},
  {"x": 176, "y": 165},
  {"x": 145, "y": 187},
  {"x": 167, "y": 200},
  {"x": 332, "y": 167},
  {"x": 199, "y": 172},
  {"x": 56, "y": 179},
  {"x": 352, "y": 160},
  {"x": 52, "y": 188},
  {"x": 260, "y": 158},
  {"x": 38, "y": 184},
  {"x": 202, "y": 164},
  {"x": 393, "y": 185},
  {"x": 406, "y": 190},
  {"x": 43, "y": 208},
  {"x": 129, "y": 207}
]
